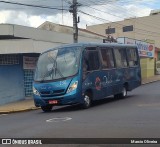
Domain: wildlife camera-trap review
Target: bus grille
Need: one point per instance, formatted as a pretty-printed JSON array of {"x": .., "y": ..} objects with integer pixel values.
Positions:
[{"x": 50, "y": 93}]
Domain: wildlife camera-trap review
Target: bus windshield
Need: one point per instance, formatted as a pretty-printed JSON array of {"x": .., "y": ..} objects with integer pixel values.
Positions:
[{"x": 58, "y": 63}]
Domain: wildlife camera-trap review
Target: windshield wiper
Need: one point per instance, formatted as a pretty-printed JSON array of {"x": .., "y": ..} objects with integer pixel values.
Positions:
[{"x": 56, "y": 69}]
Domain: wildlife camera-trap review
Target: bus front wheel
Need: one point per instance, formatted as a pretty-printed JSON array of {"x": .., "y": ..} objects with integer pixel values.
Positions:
[
  {"x": 87, "y": 101},
  {"x": 47, "y": 108}
]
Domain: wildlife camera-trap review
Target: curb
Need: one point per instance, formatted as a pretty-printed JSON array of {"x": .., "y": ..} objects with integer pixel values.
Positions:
[
  {"x": 20, "y": 110},
  {"x": 150, "y": 82}
]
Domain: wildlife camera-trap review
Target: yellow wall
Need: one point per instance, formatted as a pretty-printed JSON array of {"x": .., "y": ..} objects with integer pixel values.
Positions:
[{"x": 147, "y": 67}]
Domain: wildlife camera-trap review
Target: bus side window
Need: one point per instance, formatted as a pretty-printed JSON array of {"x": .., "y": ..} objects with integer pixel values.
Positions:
[
  {"x": 91, "y": 61},
  {"x": 132, "y": 57},
  {"x": 120, "y": 57},
  {"x": 107, "y": 58},
  {"x": 124, "y": 57}
]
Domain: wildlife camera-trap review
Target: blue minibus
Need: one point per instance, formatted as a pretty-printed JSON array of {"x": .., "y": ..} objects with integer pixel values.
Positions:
[{"x": 83, "y": 72}]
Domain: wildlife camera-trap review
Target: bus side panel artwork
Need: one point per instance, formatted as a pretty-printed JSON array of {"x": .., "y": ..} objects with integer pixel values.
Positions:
[
  {"x": 135, "y": 78},
  {"x": 111, "y": 82},
  {"x": 119, "y": 81},
  {"x": 92, "y": 84},
  {"x": 129, "y": 77}
]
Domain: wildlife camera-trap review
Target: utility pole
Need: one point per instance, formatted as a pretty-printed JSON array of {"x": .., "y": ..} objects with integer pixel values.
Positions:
[
  {"x": 62, "y": 12},
  {"x": 73, "y": 9}
]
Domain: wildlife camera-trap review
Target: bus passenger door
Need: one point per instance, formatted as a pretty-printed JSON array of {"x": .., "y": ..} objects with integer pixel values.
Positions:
[
  {"x": 121, "y": 74},
  {"x": 91, "y": 73},
  {"x": 108, "y": 71}
]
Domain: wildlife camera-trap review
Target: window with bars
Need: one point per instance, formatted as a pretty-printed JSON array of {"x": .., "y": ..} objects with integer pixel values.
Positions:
[
  {"x": 28, "y": 80},
  {"x": 9, "y": 59}
]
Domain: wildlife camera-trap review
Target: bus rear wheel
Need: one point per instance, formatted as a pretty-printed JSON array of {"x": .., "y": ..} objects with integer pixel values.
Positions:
[
  {"x": 47, "y": 108},
  {"x": 123, "y": 94},
  {"x": 87, "y": 101}
]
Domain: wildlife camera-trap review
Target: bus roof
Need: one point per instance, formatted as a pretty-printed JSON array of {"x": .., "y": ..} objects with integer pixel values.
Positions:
[{"x": 93, "y": 45}]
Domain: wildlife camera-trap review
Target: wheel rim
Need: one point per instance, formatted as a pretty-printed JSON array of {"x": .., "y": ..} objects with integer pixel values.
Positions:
[
  {"x": 124, "y": 92},
  {"x": 87, "y": 100}
]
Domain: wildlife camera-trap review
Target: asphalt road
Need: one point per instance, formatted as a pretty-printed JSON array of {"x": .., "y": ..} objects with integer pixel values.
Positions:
[{"x": 137, "y": 116}]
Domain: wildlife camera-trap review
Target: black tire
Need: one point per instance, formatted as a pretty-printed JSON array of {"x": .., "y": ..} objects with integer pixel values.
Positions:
[
  {"x": 47, "y": 108},
  {"x": 123, "y": 94},
  {"x": 117, "y": 96},
  {"x": 87, "y": 101}
]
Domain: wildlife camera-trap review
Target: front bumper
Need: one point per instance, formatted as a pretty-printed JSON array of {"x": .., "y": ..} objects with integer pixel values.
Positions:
[{"x": 62, "y": 100}]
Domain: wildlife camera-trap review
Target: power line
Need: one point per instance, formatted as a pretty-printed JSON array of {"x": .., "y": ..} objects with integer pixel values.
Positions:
[
  {"x": 68, "y": 2},
  {"x": 30, "y": 5},
  {"x": 145, "y": 32},
  {"x": 98, "y": 18},
  {"x": 102, "y": 11},
  {"x": 118, "y": 16},
  {"x": 102, "y": 2},
  {"x": 122, "y": 9}
]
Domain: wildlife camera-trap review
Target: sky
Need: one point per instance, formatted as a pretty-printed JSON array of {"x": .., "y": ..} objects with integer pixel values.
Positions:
[{"x": 91, "y": 12}]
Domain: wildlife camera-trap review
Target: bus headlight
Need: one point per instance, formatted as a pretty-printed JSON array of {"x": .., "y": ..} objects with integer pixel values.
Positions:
[
  {"x": 35, "y": 91},
  {"x": 72, "y": 87}
]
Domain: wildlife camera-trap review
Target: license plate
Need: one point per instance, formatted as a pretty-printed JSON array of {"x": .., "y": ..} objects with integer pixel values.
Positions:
[{"x": 53, "y": 102}]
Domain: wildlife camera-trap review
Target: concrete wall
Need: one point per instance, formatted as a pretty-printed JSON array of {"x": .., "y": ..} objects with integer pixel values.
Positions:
[
  {"x": 6, "y": 29},
  {"x": 34, "y": 40},
  {"x": 148, "y": 28},
  {"x": 143, "y": 28},
  {"x": 25, "y": 46},
  {"x": 10, "y": 46}
]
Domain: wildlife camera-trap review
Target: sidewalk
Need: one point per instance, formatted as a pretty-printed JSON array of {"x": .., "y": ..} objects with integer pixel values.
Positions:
[
  {"x": 28, "y": 104},
  {"x": 151, "y": 79},
  {"x": 19, "y": 106}
]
